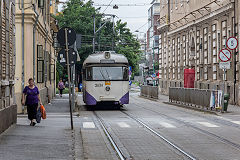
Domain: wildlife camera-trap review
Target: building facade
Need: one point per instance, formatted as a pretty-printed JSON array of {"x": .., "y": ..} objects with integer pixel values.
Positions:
[
  {"x": 8, "y": 108},
  {"x": 152, "y": 33},
  {"x": 192, "y": 33},
  {"x": 35, "y": 54}
]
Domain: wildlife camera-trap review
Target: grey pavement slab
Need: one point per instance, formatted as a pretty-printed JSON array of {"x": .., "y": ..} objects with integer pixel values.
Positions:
[
  {"x": 51, "y": 139},
  {"x": 96, "y": 146}
]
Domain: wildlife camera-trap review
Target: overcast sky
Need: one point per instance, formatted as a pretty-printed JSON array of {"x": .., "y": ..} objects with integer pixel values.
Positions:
[{"x": 135, "y": 16}]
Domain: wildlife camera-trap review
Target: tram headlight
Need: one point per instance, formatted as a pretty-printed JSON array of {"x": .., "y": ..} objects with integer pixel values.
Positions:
[{"x": 107, "y": 88}]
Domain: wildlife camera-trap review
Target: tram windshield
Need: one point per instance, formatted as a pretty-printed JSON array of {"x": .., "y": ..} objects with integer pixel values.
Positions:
[{"x": 107, "y": 73}]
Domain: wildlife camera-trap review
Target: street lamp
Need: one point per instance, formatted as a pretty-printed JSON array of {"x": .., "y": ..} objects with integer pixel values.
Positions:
[{"x": 145, "y": 52}]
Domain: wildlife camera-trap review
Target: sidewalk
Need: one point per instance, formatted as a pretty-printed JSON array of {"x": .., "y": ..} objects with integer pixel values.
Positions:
[{"x": 51, "y": 139}]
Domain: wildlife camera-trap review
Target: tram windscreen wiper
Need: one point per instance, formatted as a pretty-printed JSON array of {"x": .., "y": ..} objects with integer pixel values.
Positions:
[
  {"x": 102, "y": 73},
  {"x": 107, "y": 74}
]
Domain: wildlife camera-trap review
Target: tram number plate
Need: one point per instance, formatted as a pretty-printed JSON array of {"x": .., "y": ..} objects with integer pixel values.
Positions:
[{"x": 99, "y": 85}]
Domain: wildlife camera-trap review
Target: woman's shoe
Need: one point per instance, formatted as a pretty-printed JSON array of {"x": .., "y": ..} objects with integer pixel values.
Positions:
[
  {"x": 34, "y": 122},
  {"x": 31, "y": 124}
]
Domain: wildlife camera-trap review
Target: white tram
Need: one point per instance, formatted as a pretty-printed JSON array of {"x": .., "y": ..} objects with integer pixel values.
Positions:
[{"x": 105, "y": 78}]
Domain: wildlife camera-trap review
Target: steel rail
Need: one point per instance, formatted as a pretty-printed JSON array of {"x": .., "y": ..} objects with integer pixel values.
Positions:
[
  {"x": 222, "y": 139},
  {"x": 162, "y": 137},
  {"x": 115, "y": 147}
]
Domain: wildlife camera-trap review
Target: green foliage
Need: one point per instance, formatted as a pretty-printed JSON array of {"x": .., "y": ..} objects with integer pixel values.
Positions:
[
  {"x": 156, "y": 66},
  {"x": 65, "y": 91},
  {"x": 59, "y": 73},
  {"x": 79, "y": 16}
]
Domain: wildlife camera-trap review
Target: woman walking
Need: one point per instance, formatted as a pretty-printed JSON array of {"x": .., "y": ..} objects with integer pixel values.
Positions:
[
  {"x": 31, "y": 98},
  {"x": 61, "y": 87}
]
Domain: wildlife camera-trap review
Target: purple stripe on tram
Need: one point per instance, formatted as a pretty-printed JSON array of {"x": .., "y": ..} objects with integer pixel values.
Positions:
[
  {"x": 125, "y": 99},
  {"x": 90, "y": 100}
]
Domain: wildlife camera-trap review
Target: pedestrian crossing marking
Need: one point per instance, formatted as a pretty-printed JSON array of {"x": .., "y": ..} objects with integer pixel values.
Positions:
[
  {"x": 207, "y": 124},
  {"x": 167, "y": 125},
  {"x": 123, "y": 125},
  {"x": 88, "y": 125},
  {"x": 236, "y": 122}
]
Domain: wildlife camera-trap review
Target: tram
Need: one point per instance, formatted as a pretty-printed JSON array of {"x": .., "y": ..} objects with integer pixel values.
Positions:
[{"x": 105, "y": 78}]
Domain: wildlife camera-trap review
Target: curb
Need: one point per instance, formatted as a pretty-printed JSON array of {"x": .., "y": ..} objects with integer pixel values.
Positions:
[
  {"x": 193, "y": 108},
  {"x": 185, "y": 106},
  {"x": 152, "y": 99}
]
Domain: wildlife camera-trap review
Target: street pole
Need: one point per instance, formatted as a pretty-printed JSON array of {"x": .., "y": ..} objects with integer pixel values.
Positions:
[
  {"x": 113, "y": 39},
  {"x": 153, "y": 66},
  {"x": 224, "y": 74},
  {"x": 94, "y": 30},
  {"x": 69, "y": 81},
  {"x": 73, "y": 87}
]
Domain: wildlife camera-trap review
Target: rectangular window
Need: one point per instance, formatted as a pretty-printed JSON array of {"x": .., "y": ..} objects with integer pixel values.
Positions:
[
  {"x": 52, "y": 72},
  {"x": 49, "y": 66},
  {"x": 40, "y": 64}
]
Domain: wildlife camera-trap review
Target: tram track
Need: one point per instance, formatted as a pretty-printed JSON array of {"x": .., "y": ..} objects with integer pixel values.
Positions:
[
  {"x": 222, "y": 139},
  {"x": 149, "y": 128},
  {"x": 161, "y": 136},
  {"x": 111, "y": 140},
  {"x": 215, "y": 120}
]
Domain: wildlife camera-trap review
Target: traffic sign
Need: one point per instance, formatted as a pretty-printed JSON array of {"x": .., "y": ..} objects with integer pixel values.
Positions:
[
  {"x": 224, "y": 55},
  {"x": 71, "y": 36},
  {"x": 62, "y": 58},
  {"x": 130, "y": 68},
  {"x": 130, "y": 83},
  {"x": 232, "y": 43},
  {"x": 224, "y": 65}
]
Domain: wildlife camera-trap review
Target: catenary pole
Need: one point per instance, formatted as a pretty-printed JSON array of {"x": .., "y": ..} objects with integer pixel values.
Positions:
[{"x": 94, "y": 32}]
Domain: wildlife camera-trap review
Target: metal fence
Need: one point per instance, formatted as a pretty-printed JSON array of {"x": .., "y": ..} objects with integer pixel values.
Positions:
[
  {"x": 149, "y": 91},
  {"x": 198, "y": 97}
]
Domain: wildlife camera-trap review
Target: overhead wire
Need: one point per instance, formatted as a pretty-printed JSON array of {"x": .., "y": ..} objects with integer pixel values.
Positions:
[{"x": 108, "y": 6}]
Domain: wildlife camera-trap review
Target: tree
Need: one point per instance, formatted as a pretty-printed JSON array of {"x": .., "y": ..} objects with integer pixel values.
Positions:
[{"x": 79, "y": 16}]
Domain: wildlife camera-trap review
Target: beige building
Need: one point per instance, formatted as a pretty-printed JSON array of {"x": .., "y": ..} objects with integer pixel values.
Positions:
[
  {"x": 35, "y": 54},
  {"x": 8, "y": 108},
  {"x": 192, "y": 33}
]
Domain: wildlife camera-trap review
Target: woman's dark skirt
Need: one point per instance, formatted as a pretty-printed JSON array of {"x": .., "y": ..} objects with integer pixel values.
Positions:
[{"x": 32, "y": 111}]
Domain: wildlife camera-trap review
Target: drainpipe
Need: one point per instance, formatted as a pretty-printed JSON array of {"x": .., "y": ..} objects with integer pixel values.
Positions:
[
  {"x": 45, "y": 53},
  {"x": 34, "y": 41},
  {"x": 234, "y": 55},
  {"x": 23, "y": 81}
]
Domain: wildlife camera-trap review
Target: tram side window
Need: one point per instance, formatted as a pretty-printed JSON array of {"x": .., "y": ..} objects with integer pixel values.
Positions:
[
  {"x": 125, "y": 73},
  {"x": 89, "y": 73}
]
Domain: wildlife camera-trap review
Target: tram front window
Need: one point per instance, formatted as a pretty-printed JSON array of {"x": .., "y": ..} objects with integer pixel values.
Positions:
[{"x": 108, "y": 73}]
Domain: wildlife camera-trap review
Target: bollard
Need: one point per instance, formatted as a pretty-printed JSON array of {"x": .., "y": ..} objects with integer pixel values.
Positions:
[{"x": 226, "y": 100}]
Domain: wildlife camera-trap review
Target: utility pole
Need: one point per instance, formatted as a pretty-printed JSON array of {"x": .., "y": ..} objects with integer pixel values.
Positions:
[
  {"x": 153, "y": 65},
  {"x": 101, "y": 26},
  {"x": 94, "y": 28},
  {"x": 113, "y": 38},
  {"x": 69, "y": 81}
]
